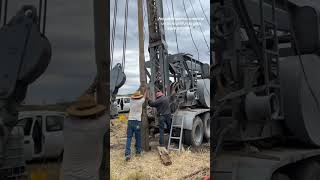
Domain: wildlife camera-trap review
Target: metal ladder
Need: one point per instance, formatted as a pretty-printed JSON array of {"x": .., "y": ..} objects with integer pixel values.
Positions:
[{"x": 175, "y": 125}]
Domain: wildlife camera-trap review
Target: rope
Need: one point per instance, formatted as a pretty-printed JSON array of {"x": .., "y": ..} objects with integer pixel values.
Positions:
[
  {"x": 195, "y": 15},
  {"x": 174, "y": 21},
  {"x": 114, "y": 25},
  {"x": 204, "y": 12},
  {"x": 125, "y": 36}
]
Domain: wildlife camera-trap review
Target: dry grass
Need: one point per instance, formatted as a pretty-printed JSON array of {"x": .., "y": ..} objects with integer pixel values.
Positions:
[
  {"x": 149, "y": 166},
  {"x": 43, "y": 171}
]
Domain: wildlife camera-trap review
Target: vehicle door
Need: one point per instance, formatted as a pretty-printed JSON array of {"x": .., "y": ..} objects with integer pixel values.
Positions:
[
  {"x": 118, "y": 104},
  {"x": 27, "y": 123},
  {"x": 126, "y": 104},
  {"x": 38, "y": 137},
  {"x": 53, "y": 135}
]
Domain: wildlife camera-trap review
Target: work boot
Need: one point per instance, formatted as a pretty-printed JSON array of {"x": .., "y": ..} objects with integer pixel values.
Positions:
[{"x": 128, "y": 158}]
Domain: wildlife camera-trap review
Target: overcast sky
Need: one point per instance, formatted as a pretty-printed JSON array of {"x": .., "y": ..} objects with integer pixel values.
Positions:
[
  {"x": 72, "y": 67},
  {"x": 183, "y": 35},
  {"x": 70, "y": 31}
]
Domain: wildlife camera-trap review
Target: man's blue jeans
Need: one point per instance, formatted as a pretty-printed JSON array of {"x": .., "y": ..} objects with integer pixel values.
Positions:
[
  {"x": 164, "y": 119},
  {"x": 134, "y": 128}
]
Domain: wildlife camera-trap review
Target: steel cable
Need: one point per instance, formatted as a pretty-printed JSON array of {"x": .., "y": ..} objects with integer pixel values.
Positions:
[
  {"x": 190, "y": 31},
  {"x": 113, "y": 31},
  {"x": 204, "y": 12},
  {"x": 195, "y": 15},
  {"x": 125, "y": 36},
  {"x": 175, "y": 27}
]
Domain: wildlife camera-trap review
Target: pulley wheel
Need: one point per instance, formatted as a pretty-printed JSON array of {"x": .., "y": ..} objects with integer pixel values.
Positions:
[
  {"x": 300, "y": 87},
  {"x": 204, "y": 92}
]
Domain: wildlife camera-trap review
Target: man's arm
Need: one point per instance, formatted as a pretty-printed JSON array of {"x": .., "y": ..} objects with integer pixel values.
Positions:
[{"x": 154, "y": 103}]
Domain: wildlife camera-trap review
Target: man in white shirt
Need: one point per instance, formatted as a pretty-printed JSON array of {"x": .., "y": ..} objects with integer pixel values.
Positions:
[
  {"x": 134, "y": 123},
  {"x": 84, "y": 130}
]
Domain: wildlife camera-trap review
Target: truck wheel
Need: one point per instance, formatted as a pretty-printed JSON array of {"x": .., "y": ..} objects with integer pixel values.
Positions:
[
  {"x": 279, "y": 176},
  {"x": 194, "y": 137},
  {"x": 206, "y": 123},
  {"x": 310, "y": 170}
]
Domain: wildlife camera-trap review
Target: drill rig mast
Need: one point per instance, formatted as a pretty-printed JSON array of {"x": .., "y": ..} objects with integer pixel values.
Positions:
[
  {"x": 181, "y": 77},
  {"x": 159, "y": 75}
]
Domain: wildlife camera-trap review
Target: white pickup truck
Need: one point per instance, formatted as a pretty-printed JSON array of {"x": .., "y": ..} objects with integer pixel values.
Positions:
[
  {"x": 43, "y": 133},
  {"x": 123, "y": 104}
]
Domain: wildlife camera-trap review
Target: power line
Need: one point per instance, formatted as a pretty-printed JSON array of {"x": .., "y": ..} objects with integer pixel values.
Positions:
[{"x": 195, "y": 15}]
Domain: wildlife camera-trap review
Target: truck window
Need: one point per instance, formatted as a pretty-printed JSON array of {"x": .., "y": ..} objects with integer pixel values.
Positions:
[
  {"x": 54, "y": 123},
  {"x": 127, "y": 100},
  {"x": 26, "y": 123}
]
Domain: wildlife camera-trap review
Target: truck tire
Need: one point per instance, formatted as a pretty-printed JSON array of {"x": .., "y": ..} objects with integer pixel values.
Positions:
[
  {"x": 206, "y": 123},
  {"x": 309, "y": 170},
  {"x": 194, "y": 137},
  {"x": 280, "y": 176}
]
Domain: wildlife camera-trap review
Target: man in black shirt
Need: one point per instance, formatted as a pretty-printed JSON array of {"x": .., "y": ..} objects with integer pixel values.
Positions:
[{"x": 163, "y": 108}]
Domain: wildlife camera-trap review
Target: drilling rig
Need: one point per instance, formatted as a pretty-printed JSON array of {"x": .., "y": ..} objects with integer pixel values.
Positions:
[
  {"x": 25, "y": 54},
  {"x": 265, "y": 81},
  {"x": 181, "y": 77}
]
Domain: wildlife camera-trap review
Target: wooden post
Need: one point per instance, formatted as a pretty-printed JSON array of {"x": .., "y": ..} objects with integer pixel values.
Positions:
[
  {"x": 102, "y": 56},
  {"x": 143, "y": 79}
]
